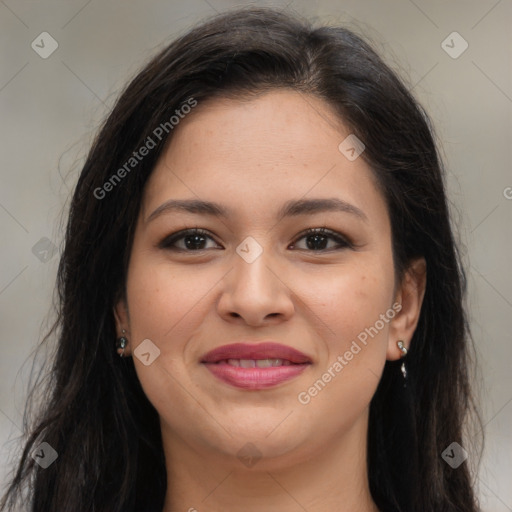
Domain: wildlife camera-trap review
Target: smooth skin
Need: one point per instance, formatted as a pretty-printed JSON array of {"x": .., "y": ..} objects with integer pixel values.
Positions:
[{"x": 314, "y": 294}]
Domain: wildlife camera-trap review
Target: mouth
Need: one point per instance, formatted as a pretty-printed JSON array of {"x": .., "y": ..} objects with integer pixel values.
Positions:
[{"x": 254, "y": 367}]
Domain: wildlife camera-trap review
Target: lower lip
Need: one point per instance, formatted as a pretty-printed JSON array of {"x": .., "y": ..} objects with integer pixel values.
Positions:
[{"x": 255, "y": 378}]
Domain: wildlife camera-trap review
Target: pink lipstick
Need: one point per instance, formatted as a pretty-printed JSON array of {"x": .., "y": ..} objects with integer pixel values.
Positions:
[{"x": 254, "y": 367}]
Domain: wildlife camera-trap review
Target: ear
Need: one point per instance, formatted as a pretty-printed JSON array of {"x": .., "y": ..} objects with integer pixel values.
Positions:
[
  {"x": 122, "y": 318},
  {"x": 410, "y": 295}
]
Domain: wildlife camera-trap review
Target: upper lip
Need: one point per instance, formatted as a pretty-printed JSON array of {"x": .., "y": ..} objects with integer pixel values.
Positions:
[{"x": 265, "y": 350}]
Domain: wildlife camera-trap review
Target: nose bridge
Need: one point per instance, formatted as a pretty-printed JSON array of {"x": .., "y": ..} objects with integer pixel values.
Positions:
[
  {"x": 254, "y": 290},
  {"x": 255, "y": 272}
]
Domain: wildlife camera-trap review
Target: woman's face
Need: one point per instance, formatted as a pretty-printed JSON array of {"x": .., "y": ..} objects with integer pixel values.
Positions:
[{"x": 253, "y": 275}]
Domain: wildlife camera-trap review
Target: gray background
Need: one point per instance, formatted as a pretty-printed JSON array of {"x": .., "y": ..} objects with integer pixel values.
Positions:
[{"x": 51, "y": 107}]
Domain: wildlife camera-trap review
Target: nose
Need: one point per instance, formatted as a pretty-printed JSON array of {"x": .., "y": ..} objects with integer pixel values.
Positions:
[{"x": 255, "y": 293}]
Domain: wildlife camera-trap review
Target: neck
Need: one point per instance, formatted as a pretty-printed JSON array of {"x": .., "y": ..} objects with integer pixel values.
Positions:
[{"x": 330, "y": 478}]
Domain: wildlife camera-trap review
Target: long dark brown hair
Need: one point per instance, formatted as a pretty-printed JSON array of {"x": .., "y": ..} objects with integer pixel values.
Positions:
[{"x": 96, "y": 415}]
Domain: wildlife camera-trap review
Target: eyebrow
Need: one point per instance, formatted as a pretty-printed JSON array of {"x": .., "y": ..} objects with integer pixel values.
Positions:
[{"x": 289, "y": 209}]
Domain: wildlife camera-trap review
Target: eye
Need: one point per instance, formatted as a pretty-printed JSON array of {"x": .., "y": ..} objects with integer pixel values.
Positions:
[
  {"x": 190, "y": 240},
  {"x": 193, "y": 240},
  {"x": 317, "y": 239}
]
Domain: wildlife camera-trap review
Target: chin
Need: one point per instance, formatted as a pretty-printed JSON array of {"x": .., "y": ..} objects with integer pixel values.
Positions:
[{"x": 271, "y": 445}]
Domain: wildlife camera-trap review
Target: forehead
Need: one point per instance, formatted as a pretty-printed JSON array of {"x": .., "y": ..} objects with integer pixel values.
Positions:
[{"x": 276, "y": 145}]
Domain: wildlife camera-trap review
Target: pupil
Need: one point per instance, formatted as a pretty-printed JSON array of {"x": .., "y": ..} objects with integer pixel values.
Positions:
[
  {"x": 197, "y": 240},
  {"x": 316, "y": 239}
]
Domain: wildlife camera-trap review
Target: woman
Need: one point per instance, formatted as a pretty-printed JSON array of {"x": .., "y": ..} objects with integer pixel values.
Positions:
[{"x": 261, "y": 232}]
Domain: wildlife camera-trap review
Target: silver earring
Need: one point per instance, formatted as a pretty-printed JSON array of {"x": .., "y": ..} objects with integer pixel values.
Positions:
[
  {"x": 402, "y": 348},
  {"x": 121, "y": 344}
]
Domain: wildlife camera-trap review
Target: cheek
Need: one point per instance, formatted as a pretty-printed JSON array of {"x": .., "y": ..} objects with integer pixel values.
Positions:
[
  {"x": 355, "y": 312},
  {"x": 162, "y": 300},
  {"x": 348, "y": 300},
  {"x": 165, "y": 306},
  {"x": 350, "y": 306}
]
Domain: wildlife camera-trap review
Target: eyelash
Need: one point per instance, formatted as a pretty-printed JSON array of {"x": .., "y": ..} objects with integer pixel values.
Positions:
[{"x": 343, "y": 242}]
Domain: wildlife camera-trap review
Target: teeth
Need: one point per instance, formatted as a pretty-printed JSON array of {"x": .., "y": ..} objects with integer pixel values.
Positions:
[
  {"x": 257, "y": 363},
  {"x": 263, "y": 363},
  {"x": 267, "y": 363}
]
